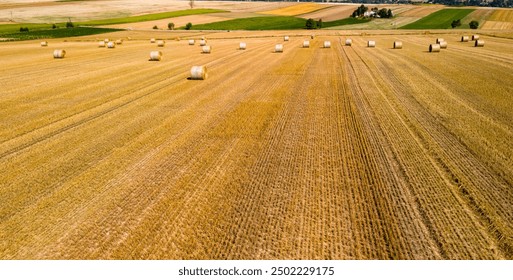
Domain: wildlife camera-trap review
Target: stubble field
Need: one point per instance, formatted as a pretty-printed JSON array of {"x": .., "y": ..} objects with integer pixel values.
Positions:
[{"x": 313, "y": 153}]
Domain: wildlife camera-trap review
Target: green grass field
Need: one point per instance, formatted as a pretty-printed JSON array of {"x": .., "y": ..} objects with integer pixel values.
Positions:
[
  {"x": 254, "y": 23},
  {"x": 439, "y": 20},
  {"x": 270, "y": 23},
  {"x": 57, "y": 33}
]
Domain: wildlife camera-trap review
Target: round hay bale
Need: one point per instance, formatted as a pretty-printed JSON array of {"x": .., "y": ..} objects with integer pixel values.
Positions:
[
  {"x": 443, "y": 44},
  {"x": 155, "y": 55},
  {"x": 111, "y": 45},
  {"x": 203, "y": 38},
  {"x": 464, "y": 38},
  {"x": 101, "y": 44},
  {"x": 438, "y": 40},
  {"x": 129, "y": 38},
  {"x": 242, "y": 46},
  {"x": 161, "y": 43},
  {"x": 475, "y": 37},
  {"x": 371, "y": 44},
  {"x": 203, "y": 42},
  {"x": 479, "y": 43},
  {"x": 349, "y": 42},
  {"x": 286, "y": 38},
  {"x": 306, "y": 44},
  {"x": 119, "y": 42},
  {"x": 106, "y": 40},
  {"x": 206, "y": 49},
  {"x": 278, "y": 48},
  {"x": 59, "y": 53},
  {"x": 191, "y": 42},
  {"x": 152, "y": 40},
  {"x": 327, "y": 44},
  {"x": 199, "y": 73},
  {"x": 312, "y": 36},
  {"x": 434, "y": 48},
  {"x": 398, "y": 45},
  {"x": 178, "y": 39},
  {"x": 44, "y": 44}
]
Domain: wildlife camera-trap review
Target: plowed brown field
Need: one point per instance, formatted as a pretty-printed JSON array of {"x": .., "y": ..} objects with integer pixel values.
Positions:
[{"x": 313, "y": 153}]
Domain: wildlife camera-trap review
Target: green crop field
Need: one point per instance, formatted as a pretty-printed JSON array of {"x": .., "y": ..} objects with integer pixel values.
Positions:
[
  {"x": 439, "y": 20},
  {"x": 255, "y": 23},
  {"x": 270, "y": 23}
]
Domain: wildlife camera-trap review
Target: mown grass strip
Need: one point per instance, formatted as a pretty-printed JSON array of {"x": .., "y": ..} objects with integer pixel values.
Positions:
[
  {"x": 345, "y": 21},
  {"x": 269, "y": 23},
  {"x": 58, "y": 33},
  {"x": 441, "y": 19}
]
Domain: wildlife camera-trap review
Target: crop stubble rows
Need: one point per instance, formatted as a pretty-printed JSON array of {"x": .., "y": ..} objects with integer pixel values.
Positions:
[{"x": 341, "y": 153}]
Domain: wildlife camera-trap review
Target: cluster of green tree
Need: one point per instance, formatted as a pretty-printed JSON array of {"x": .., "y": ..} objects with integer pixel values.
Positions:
[
  {"x": 361, "y": 11},
  {"x": 312, "y": 24}
]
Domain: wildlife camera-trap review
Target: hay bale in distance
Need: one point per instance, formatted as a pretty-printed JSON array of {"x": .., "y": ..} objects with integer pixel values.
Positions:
[
  {"x": 398, "y": 45},
  {"x": 306, "y": 44},
  {"x": 203, "y": 42},
  {"x": 101, "y": 44},
  {"x": 349, "y": 42},
  {"x": 438, "y": 40},
  {"x": 464, "y": 38},
  {"x": 475, "y": 37},
  {"x": 152, "y": 40},
  {"x": 191, "y": 42},
  {"x": 278, "y": 48},
  {"x": 479, "y": 43},
  {"x": 161, "y": 43},
  {"x": 206, "y": 49},
  {"x": 443, "y": 44},
  {"x": 286, "y": 38},
  {"x": 371, "y": 44},
  {"x": 434, "y": 48},
  {"x": 106, "y": 40},
  {"x": 44, "y": 44},
  {"x": 312, "y": 36},
  {"x": 327, "y": 44},
  {"x": 242, "y": 46},
  {"x": 111, "y": 45},
  {"x": 155, "y": 56},
  {"x": 119, "y": 42},
  {"x": 199, "y": 73},
  {"x": 59, "y": 53}
]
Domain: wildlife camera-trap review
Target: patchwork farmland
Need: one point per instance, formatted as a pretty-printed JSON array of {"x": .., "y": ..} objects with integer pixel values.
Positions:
[{"x": 345, "y": 152}]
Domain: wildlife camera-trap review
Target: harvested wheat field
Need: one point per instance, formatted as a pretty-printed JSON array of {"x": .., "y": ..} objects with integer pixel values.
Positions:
[{"x": 345, "y": 152}]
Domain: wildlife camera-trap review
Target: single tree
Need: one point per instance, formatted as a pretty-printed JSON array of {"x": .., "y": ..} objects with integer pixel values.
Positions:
[
  {"x": 69, "y": 24},
  {"x": 155, "y": 27},
  {"x": 310, "y": 23},
  {"x": 54, "y": 26},
  {"x": 171, "y": 26},
  {"x": 188, "y": 26},
  {"x": 319, "y": 23},
  {"x": 390, "y": 14},
  {"x": 474, "y": 24},
  {"x": 456, "y": 23}
]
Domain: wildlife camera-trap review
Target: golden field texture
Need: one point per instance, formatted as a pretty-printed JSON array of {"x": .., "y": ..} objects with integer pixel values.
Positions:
[
  {"x": 313, "y": 153},
  {"x": 295, "y": 9}
]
